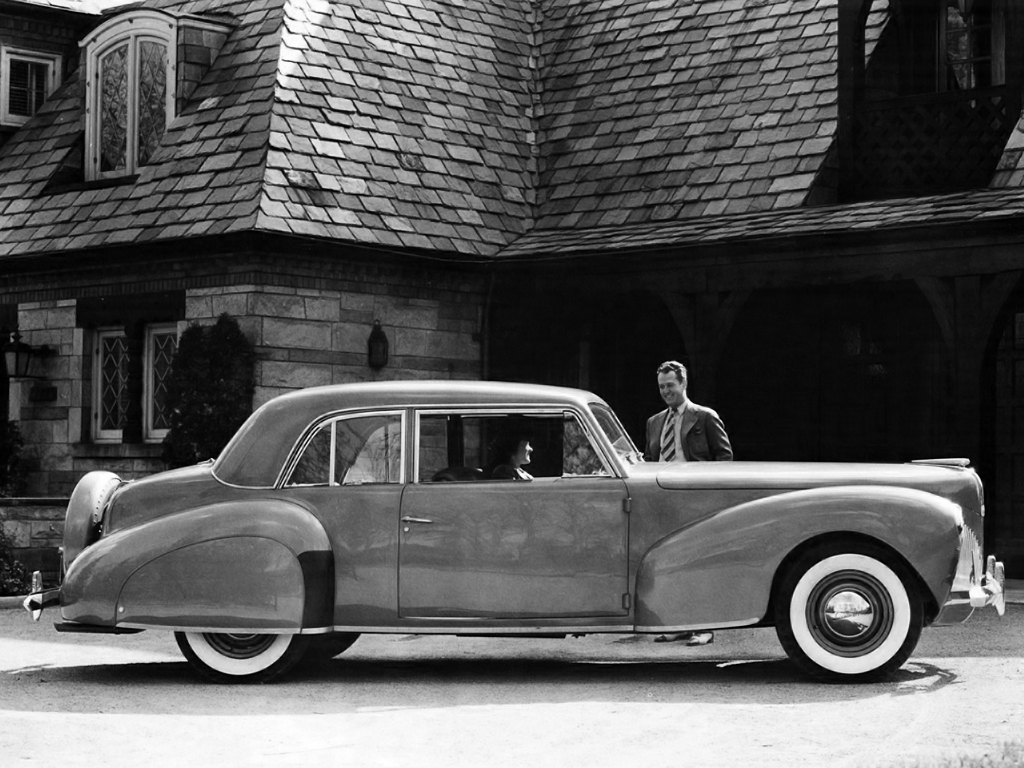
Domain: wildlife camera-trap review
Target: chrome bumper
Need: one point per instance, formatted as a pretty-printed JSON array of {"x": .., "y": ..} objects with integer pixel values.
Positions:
[
  {"x": 40, "y": 598},
  {"x": 991, "y": 589}
]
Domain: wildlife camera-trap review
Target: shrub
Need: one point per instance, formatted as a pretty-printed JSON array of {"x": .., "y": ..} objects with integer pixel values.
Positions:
[
  {"x": 14, "y": 579},
  {"x": 210, "y": 391},
  {"x": 12, "y": 469}
]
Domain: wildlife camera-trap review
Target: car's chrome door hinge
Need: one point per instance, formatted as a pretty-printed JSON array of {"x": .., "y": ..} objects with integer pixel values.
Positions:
[
  {"x": 627, "y": 505},
  {"x": 627, "y": 601}
]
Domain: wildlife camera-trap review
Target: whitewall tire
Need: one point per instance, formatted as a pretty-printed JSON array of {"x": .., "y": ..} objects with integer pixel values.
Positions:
[
  {"x": 849, "y": 613},
  {"x": 241, "y": 658}
]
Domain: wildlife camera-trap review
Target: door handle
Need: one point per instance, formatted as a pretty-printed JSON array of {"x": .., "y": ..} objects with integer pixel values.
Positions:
[{"x": 416, "y": 520}]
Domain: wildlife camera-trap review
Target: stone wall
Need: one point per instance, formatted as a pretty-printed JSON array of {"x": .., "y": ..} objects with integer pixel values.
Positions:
[
  {"x": 35, "y": 529},
  {"x": 304, "y": 336},
  {"x": 311, "y": 337}
]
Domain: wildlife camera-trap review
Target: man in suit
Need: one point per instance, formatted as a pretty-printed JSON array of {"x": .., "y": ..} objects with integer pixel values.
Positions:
[
  {"x": 684, "y": 431},
  {"x": 693, "y": 432}
]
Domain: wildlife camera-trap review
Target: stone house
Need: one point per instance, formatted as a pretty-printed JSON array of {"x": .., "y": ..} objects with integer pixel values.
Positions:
[{"x": 815, "y": 204}]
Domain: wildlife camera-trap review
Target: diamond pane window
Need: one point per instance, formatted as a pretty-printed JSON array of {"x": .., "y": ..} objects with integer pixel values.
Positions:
[
  {"x": 130, "y": 72},
  {"x": 113, "y": 365},
  {"x": 114, "y": 109},
  {"x": 152, "y": 97},
  {"x": 161, "y": 344}
]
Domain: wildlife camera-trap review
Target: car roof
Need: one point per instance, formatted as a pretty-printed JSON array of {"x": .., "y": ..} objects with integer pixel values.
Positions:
[{"x": 257, "y": 452}]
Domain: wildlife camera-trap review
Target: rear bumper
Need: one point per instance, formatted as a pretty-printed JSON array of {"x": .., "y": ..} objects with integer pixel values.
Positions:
[{"x": 39, "y": 598}]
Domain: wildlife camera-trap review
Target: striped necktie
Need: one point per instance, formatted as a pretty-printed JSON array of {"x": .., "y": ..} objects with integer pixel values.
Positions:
[{"x": 668, "y": 436}]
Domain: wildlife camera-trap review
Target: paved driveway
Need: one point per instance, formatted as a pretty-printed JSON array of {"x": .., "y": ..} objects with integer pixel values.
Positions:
[{"x": 405, "y": 700}]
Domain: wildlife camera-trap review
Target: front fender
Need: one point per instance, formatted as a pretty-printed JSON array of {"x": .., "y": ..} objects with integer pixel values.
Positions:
[
  {"x": 719, "y": 571},
  {"x": 262, "y": 564}
]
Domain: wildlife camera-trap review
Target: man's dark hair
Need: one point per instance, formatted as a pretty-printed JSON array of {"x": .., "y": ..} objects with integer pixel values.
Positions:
[{"x": 672, "y": 366}]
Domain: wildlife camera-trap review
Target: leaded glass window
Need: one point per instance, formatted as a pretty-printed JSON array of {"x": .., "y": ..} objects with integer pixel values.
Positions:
[
  {"x": 152, "y": 97},
  {"x": 161, "y": 344},
  {"x": 131, "y": 79},
  {"x": 113, "y": 361},
  {"x": 117, "y": 384},
  {"x": 114, "y": 109}
]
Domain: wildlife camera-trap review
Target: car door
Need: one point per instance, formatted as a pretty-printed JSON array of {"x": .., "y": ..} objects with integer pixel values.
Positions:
[{"x": 551, "y": 547}]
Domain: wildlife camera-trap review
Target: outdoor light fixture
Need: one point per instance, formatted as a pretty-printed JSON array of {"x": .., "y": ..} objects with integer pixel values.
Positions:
[
  {"x": 18, "y": 356},
  {"x": 377, "y": 347}
]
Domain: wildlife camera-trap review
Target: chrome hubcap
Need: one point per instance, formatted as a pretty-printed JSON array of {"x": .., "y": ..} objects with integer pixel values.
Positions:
[{"x": 849, "y": 614}]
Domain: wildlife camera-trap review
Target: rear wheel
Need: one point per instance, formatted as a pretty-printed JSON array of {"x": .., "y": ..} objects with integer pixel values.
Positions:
[
  {"x": 848, "y": 613},
  {"x": 241, "y": 658}
]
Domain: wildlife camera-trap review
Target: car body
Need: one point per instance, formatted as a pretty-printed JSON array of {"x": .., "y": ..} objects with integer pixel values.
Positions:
[{"x": 368, "y": 508}]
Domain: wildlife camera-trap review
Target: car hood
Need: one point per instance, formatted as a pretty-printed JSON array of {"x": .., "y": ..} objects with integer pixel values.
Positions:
[
  {"x": 162, "y": 494},
  {"x": 944, "y": 479}
]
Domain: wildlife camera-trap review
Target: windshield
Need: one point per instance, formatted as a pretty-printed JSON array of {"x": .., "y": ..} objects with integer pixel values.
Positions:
[{"x": 615, "y": 433}]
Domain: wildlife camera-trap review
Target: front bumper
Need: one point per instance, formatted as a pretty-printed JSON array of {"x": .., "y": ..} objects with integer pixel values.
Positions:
[{"x": 992, "y": 589}]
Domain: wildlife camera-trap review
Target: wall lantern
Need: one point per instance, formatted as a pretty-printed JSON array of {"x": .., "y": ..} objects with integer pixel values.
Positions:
[
  {"x": 18, "y": 357},
  {"x": 377, "y": 347}
]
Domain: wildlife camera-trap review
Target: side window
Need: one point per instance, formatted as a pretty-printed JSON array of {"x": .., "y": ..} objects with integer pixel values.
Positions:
[
  {"x": 314, "y": 466},
  {"x": 352, "y": 451},
  {"x": 499, "y": 446},
  {"x": 368, "y": 450},
  {"x": 578, "y": 454}
]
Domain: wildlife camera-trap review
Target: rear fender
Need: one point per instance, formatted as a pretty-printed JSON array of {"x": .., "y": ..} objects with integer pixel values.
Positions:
[
  {"x": 237, "y": 565},
  {"x": 719, "y": 571}
]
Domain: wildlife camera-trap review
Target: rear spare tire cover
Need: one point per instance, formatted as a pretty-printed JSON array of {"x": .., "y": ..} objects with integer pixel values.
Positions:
[{"x": 85, "y": 512}]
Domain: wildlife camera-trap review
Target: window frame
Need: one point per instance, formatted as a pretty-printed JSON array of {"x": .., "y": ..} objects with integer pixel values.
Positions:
[
  {"x": 99, "y": 434},
  {"x": 995, "y": 61},
  {"x": 7, "y": 54},
  {"x": 132, "y": 28},
  {"x": 330, "y": 422},
  {"x": 151, "y": 434},
  {"x": 595, "y": 438}
]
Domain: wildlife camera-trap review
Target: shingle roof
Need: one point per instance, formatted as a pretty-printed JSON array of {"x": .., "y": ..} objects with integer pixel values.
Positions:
[
  {"x": 486, "y": 128},
  {"x": 392, "y": 124},
  {"x": 657, "y": 111},
  {"x": 962, "y": 209}
]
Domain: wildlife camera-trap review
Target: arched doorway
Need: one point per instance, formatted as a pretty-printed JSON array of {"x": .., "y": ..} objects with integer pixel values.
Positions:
[
  {"x": 1003, "y": 434},
  {"x": 836, "y": 374}
]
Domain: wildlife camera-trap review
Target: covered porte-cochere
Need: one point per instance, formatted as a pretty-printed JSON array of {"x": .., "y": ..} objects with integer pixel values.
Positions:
[{"x": 815, "y": 345}]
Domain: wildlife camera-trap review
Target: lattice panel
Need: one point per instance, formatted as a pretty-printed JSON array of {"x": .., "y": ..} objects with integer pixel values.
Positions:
[{"x": 921, "y": 146}]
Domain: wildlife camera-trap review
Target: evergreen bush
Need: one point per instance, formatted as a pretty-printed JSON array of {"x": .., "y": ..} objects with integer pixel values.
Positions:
[
  {"x": 210, "y": 391},
  {"x": 14, "y": 578},
  {"x": 12, "y": 469}
]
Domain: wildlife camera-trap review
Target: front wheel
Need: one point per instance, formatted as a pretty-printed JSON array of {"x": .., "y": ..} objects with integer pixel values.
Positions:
[
  {"x": 241, "y": 658},
  {"x": 848, "y": 613}
]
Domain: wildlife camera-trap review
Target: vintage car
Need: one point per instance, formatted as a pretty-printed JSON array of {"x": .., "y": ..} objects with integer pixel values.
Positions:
[{"x": 369, "y": 508}]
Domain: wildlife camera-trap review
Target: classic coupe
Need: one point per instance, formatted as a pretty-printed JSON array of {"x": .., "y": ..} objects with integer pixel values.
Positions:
[{"x": 371, "y": 508}]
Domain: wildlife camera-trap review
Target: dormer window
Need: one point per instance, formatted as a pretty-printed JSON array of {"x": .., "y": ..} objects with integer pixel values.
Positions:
[
  {"x": 929, "y": 91},
  {"x": 130, "y": 92},
  {"x": 971, "y": 44},
  {"x": 28, "y": 77}
]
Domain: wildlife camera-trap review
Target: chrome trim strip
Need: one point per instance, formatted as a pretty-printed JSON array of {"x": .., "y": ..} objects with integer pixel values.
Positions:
[{"x": 695, "y": 627}]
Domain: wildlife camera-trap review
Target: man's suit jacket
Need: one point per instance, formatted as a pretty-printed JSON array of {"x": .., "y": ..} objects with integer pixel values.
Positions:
[{"x": 702, "y": 435}]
